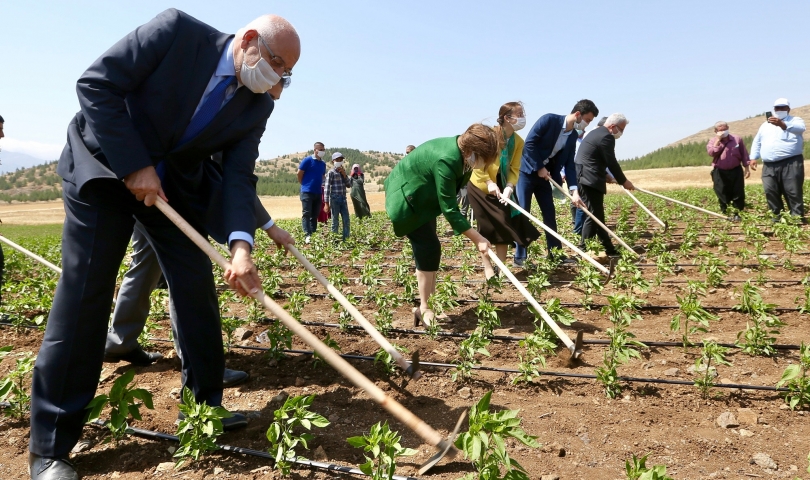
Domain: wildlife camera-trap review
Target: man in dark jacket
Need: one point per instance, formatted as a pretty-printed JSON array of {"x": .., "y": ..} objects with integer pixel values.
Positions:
[
  {"x": 598, "y": 152},
  {"x": 549, "y": 148},
  {"x": 154, "y": 108}
]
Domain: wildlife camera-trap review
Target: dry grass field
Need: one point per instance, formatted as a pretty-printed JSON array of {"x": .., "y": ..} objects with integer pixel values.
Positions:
[{"x": 40, "y": 213}]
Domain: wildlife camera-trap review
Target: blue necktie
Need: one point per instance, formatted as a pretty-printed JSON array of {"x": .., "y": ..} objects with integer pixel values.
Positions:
[{"x": 208, "y": 109}]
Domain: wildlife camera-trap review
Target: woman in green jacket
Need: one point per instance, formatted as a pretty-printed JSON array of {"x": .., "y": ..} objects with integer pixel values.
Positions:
[{"x": 424, "y": 185}]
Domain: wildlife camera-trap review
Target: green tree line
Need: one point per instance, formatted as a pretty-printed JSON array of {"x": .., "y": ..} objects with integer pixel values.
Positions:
[
  {"x": 37, "y": 196},
  {"x": 684, "y": 155}
]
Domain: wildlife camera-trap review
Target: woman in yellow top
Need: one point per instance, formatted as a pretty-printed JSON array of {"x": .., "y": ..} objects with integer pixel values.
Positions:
[{"x": 497, "y": 221}]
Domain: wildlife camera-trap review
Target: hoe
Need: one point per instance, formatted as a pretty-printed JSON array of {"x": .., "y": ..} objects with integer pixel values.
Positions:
[
  {"x": 643, "y": 207},
  {"x": 682, "y": 203},
  {"x": 444, "y": 446}
]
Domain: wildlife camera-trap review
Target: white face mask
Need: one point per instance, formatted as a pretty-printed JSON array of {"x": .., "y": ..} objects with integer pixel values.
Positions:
[
  {"x": 320, "y": 153},
  {"x": 723, "y": 134},
  {"x": 338, "y": 164},
  {"x": 521, "y": 122},
  {"x": 618, "y": 134},
  {"x": 780, "y": 114},
  {"x": 260, "y": 77},
  {"x": 581, "y": 124},
  {"x": 471, "y": 162}
]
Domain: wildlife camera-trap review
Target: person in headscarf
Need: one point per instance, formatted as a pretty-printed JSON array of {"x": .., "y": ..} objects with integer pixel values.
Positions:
[{"x": 358, "y": 193}]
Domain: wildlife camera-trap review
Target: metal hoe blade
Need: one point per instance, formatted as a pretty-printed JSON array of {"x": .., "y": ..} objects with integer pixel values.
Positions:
[{"x": 446, "y": 447}]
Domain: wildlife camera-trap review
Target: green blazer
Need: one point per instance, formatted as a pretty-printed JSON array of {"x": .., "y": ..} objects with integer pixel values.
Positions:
[{"x": 425, "y": 184}]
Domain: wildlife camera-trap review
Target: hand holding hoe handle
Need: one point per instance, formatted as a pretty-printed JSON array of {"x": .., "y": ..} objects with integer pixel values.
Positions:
[{"x": 337, "y": 362}]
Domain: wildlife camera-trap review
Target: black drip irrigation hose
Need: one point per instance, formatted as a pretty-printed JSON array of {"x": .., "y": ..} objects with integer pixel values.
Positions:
[
  {"x": 512, "y": 338},
  {"x": 513, "y": 370}
]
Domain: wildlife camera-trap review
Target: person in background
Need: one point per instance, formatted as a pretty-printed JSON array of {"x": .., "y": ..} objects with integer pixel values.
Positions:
[
  {"x": 779, "y": 143},
  {"x": 498, "y": 222},
  {"x": 423, "y": 186},
  {"x": 595, "y": 156},
  {"x": 358, "y": 193},
  {"x": 310, "y": 176},
  {"x": 409, "y": 149},
  {"x": 729, "y": 158},
  {"x": 2, "y": 258},
  {"x": 335, "y": 194},
  {"x": 549, "y": 148}
]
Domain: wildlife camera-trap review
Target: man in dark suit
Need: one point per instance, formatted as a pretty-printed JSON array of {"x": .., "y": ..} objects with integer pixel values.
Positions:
[
  {"x": 549, "y": 148},
  {"x": 598, "y": 152},
  {"x": 154, "y": 108}
]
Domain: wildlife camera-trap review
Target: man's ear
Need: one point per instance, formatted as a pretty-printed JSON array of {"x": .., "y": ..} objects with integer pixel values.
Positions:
[{"x": 247, "y": 37}]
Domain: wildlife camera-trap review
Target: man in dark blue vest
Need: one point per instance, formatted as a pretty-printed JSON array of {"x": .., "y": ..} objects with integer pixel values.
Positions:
[{"x": 154, "y": 108}]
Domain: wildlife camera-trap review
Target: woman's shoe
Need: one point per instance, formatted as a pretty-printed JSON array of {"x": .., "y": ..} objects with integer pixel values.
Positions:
[{"x": 423, "y": 318}]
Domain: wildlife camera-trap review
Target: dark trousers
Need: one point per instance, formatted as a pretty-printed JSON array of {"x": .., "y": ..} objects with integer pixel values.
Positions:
[
  {"x": 311, "y": 207},
  {"x": 427, "y": 249},
  {"x": 97, "y": 229},
  {"x": 529, "y": 186},
  {"x": 595, "y": 201},
  {"x": 784, "y": 178},
  {"x": 729, "y": 186}
]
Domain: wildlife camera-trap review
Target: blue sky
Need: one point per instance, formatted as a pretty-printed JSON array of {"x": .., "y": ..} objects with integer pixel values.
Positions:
[{"x": 380, "y": 75}]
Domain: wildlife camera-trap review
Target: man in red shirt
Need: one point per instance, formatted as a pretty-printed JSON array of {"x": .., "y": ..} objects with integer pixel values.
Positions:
[{"x": 729, "y": 158}]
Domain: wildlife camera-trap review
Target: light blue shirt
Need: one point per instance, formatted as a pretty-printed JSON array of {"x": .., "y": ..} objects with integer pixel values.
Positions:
[
  {"x": 773, "y": 144},
  {"x": 225, "y": 69}
]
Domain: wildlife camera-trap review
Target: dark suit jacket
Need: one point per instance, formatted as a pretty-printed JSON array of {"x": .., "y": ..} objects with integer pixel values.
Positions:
[
  {"x": 597, "y": 152},
  {"x": 539, "y": 144},
  {"x": 137, "y": 100}
]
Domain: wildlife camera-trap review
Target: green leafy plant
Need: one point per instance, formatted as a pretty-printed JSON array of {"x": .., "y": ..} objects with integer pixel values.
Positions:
[
  {"x": 636, "y": 469},
  {"x": 15, "y": 386},
  {"x": 475, "y": 344},
  {"x": 758, "y": 337},
  {"x": 386, "y": 360},
  {"x": 712, "y": 352},
  {"x": 538, "y": 345},
  {"x": 292, "y": 416},
  {"x": 622, "y": 310},
  {"x": 559, "y": 313},
  {"x": 795, "y": 378},
  {"x": 537, "y": 283},
  {"x": 123, "y": 402},
  {"x": 229, "y": 326},
  {"x": 589, "y": 281},
  {"x": 628, "y": 275},
  {"x": 296, "y": 303},
  {"x": 692, "y": 318},
  {"x": 280, "y": 338},
  {"x": 198, "y": 430},
  {"x": 484, "y": 444},
  {"x": 381, "y": 448},
  {"x": 665, "y": 265},
  {"x": 713, "y": 267}
]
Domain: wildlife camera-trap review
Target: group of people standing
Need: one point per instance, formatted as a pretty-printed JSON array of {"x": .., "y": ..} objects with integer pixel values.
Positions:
[
  {"x": 779, "y": 143},
  {"x": 323, "y": 192},
  {"x": 498, "y": 169}
]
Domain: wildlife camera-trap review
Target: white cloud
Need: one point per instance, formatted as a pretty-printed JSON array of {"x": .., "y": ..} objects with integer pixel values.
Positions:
[{"x": 42, "y": 151}]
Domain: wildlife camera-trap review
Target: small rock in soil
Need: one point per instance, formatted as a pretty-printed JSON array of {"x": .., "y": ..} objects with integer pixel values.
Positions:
[
  {"x": 465, "y": 393},
  {"x": 172, "y": 450},
  {"x": 746, "y": 416},
  {"x": 550, "y": 477},
  {"x": 164, "y": 467},
  {"x": 218, "y": 470},
  {"x": 174, "y": 393},
  {"x": 561, "y": 452},
  {"x": 242, "y": 333},
  {"x": 299, "y": 382},
  {"x": 764, "y": 461},
  {"x": 746, "y": 433},
  {"x": 320, "y": 454},
  {"x": 280, "y": 398},
  {"x": 115, "y": 475},
  {"x": 671, "y": 372},
  {"x": 333, "y": 418},
  {"x": 727, "y": 420}
]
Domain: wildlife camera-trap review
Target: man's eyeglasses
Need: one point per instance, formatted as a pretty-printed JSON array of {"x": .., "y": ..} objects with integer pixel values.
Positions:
[{"x": 278, "y": 62}]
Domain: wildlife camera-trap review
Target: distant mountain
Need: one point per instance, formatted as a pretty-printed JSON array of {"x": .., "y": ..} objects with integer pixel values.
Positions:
[
  {"x": 691, "y": 151},
  {"x": 11, "y": 161}
]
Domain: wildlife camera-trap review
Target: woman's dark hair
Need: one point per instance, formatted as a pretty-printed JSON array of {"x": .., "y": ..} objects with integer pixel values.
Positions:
[{"x": 507, "y": 109}]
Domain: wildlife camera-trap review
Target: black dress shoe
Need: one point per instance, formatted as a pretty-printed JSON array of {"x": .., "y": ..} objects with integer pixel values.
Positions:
[
  {"x": 235, "y": 422},
  {"x": 137, "y": 357},
  {"x": 43, "y": 468},
  {"x": 233, "y": 378}
]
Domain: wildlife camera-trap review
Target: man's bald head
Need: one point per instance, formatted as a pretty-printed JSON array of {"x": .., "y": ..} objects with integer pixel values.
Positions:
[{"x": 279, "y": 35}]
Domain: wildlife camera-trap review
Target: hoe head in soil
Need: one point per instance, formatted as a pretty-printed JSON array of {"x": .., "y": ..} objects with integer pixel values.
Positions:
[
  {"x": 575, "y": 351},
  {"x": 446, "y": 447},
  {"x": 413, "y": 371}
]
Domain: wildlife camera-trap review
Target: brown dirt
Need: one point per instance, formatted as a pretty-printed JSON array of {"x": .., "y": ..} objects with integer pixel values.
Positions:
[{"x": 672, "y": 423}]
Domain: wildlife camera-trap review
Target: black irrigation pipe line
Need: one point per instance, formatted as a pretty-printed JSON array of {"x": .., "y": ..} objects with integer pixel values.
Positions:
[
  {"x": 545, "y": 373},
  {"x": 512, "y": 338}
]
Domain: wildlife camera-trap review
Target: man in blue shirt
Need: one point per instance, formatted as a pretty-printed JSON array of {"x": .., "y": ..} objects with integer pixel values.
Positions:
[
  {"x": 549, "y": 148},
  {"x": 310, "y": 176},
  {"x": 779, "y": 143}
]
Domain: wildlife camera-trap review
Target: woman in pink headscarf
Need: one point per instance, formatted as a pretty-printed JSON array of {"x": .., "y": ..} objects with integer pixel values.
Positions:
[{"x": 358, "y": 193}]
